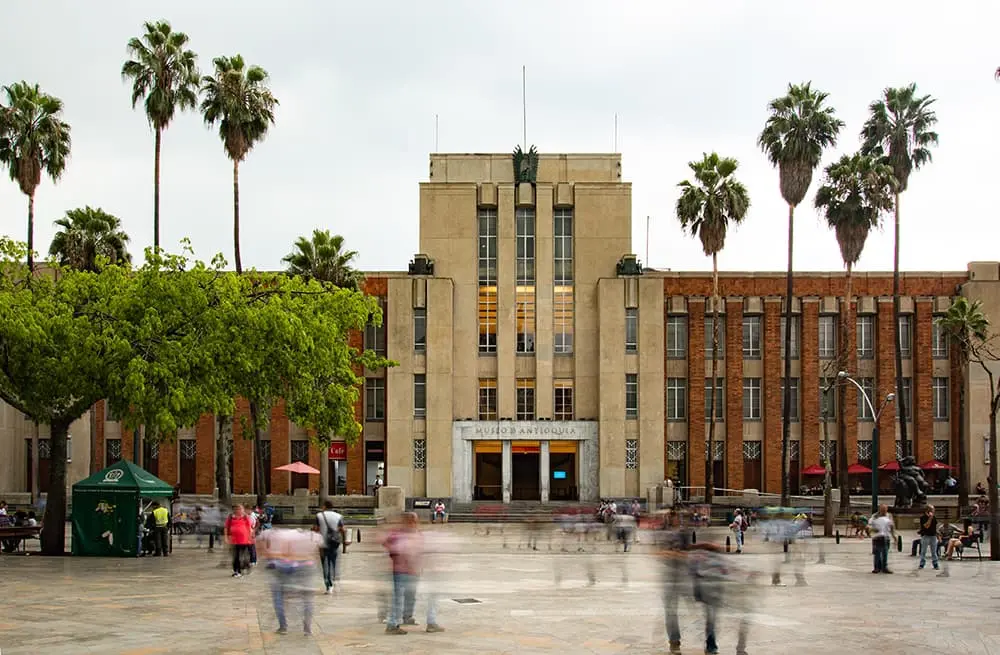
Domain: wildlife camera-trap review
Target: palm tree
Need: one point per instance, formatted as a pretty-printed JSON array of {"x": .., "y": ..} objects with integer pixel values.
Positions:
[
  {"x": 898, "y": 130},
  {"x": 323, "y": 258},
  {"x": 706, "y": 208},
  {"x": 166, "y": 74},
  {"x": 33, "y": 139},
  {"x": 794, "y": 136},
  {"x": 237, "y": 98},
  {"x": 86, "y": 234},
  {"x": 855, "y": 194},
  {"x": 965, "y": 323}
]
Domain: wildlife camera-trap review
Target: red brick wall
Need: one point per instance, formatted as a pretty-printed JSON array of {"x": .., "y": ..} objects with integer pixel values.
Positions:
[
  {"x": 168, "y": 461},
  {"x": 734, "y": 396},
  {"x": 127, "y": 441},
  {"x": 98, "y": 455},
  {"x": 885, "y": 382},
  {"x": 809, "y": 384},
  {"x": 773, "y": 369},
  {"x": 696, "y": 397},
  {"x": 923, "y": 381},
  {"x": 243, "y": 445},
  {"x": 850, "y": 396},
  {"x": 864, "y": 284},
  {"x": 205, "y": 454},
  {"x": 281, "y": 481}
]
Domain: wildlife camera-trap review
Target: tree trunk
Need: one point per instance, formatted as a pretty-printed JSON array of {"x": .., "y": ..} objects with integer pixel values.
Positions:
[
  {"x": 901, "y": 400},
  {"x": 236, "y": 217},
  {"x": 53, "y": 535},
  {"x": 94, "y": 465},
  {"x": 843, "y": 480},
  {"x": 993, "y": 495},
  {"x": 324, "y": 474},
  {"x": 156, "y": 192},
  {"x": 258, "y": 459},
  {"x": 225, "y": 433},
  {"x": 34, "y": 464},
  {"x": 963, "y": 466},
  {"x": 827, "y": 482},
  {"x": 31, "y": 235},
  {"x": 786, "y": 414},
  {"x": 710, "y": 448}
]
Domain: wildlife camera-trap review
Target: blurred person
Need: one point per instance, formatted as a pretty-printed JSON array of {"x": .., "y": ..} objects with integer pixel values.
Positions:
[
  {"x": 330, "y": 526},
  {"x": 254, "y": 517},
  {"x": 883, "y": 530},
  {"x": 928, "y": 532},
  {"x": 673, "y": 543},
  {"x": 404, "y": 545},
  {"x": 625, "y": 530},
  {"x": 738, "y": 526},
  {"x": 239, "y": 536},
  {"x": 709, "y": 574},
  {"x": 438, "y": 549},
  {"x": 161, "y": 517},
  {"x": 291, "y": 555}
]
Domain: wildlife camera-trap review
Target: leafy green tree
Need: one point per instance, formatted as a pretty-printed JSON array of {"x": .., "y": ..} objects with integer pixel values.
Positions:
[
  {"x": 855, "y": 194},
  {"x": 899, "y": 131},
  {"x": 324, "y": 258},
  {"x": 797, "y": 131},
  {"x": 165, "y": 74},
  {"x": 966, "y": 326},
  {"x": 86, "y": 234},
  {"x": 33, "y": 140},
  {"x": 238, "y": 99},
  {"x": 706, "y": 208}
]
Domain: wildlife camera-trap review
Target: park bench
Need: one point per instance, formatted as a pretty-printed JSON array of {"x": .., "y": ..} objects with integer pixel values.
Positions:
[{"x": 14, "y": 538}]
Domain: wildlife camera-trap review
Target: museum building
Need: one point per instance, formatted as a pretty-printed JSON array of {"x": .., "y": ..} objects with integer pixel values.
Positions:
[{"x": 538, "y": 360}]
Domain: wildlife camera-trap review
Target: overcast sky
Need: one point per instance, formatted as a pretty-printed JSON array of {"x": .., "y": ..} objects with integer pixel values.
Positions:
[{"x": 360, "y": 84}]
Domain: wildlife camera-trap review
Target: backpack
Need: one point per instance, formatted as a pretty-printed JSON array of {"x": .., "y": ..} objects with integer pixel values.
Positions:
[{"x": 331, "y": 538}]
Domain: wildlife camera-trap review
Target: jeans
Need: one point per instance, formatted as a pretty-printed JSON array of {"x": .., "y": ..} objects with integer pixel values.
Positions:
[
  {"x": 329, "y": 558},
  {"x": 739, "y": 539},
  {"x": 404, "y": 597},
  {"x": 238, "y": 550},
  {"x": 710, "y": 613},
  {"x": 432, "y": 601},
  {"x": 928, "y": 541},
  {"x": 291, "y": 581},
  {"x": 880, "y": 550}
]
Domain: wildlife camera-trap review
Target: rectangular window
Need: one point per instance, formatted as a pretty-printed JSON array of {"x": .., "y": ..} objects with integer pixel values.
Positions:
[
  {"x": 109, "y": 413},
  {"x": 864, "y": 450},
  {"x": 374, "y": 399},
  {"x": 906, "y": 335},
  {"x": 487, "y": 218},
  {"x": 794, "y": 414},
  {"x": 631, "y": 395},
  {"x": 751, "y": 399},
  {"x": 866, "y": 336},
  {"x": 907, "y": 394},
  {"x": 939, "y": 339},
  {"x": 563, "y": 406},
  {"x": 795, "y": 336},
  {"x": 720, "y": 399},
  {"x": 419, "y": 453},
  {"x": 828, "y": 400},
  {"x": 375, "y": 334},
  {"x": 562, "y": 293},
  {"x": 419, "y": 394},
  {"x": 751, "y": 337},
  {"x": 112, "y": 446},
  {"x": 632, "y": 331},
  {"x": 751, "y": 451},
  {"x": 677, "y": 337},
  {"x": 631, "y": 454},
  {"x": 525, "y": 399},
  {"x": 793, "y": 451},
  {"x": 420, "y": 329},
  {"x": 524, "y": 237},
  {"x": 864, "y": 411},
  {"x": 940, "y": 398},
  {"x": 676, "y": 399},
  {"x": 721, "y": 336},
  {"x": 942, "y": 450},
  {"x": 827, "y": 337},
  {"x": 487, "y": 399},
  {"x": 718, "y": 449},
  {"x": 832, "y": 455}
]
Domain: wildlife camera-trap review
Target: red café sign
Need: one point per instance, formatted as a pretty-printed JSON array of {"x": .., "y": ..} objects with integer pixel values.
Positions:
[{"x": 338, "y": 450}]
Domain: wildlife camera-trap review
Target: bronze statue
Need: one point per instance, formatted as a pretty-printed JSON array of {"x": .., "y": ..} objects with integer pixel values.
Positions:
[
  {"x": 911, "y": 488},
  {"x": 525, "y": 164}
]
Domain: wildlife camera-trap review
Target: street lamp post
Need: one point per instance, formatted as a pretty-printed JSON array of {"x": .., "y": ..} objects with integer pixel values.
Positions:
[{"x": 842, "y": 375}]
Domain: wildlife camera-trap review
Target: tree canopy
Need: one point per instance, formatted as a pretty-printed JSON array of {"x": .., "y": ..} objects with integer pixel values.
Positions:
[{"x": 87, "y": 234}]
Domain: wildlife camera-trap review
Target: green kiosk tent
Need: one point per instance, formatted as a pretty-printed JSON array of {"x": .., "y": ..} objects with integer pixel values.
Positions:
[{"x": 106, "y": 509}]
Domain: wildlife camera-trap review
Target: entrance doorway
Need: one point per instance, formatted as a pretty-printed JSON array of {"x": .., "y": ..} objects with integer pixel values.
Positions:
[
  {"x": 488, "y": 483},
  {"x": 524, "y": 479},
  {"x": 562, "y": 471}
]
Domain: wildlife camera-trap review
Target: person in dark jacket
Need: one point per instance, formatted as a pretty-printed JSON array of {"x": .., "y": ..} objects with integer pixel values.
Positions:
[{"x": 928, "y": 537}]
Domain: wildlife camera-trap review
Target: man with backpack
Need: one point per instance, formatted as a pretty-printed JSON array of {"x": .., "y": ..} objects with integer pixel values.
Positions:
[{"x": 330, "y": 525}]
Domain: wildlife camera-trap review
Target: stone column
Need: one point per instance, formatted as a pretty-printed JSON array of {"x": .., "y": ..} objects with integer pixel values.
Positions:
[
  {"x": 543, "y": 471},
  {"x": 507, "y": 467}
]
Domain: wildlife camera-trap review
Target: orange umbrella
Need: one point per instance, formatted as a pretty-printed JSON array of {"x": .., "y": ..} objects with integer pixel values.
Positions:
[{"x": 298, "y": 467}]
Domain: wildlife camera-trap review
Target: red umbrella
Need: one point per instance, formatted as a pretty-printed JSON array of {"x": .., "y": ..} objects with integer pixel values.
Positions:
[
  {"x": 815, "y": 469},
  {"x": 858, "y": 469},
  {"x": 297, "y": 467},
  {"x": 890, "y": 466},
  {"x": 935, "y": 465}
]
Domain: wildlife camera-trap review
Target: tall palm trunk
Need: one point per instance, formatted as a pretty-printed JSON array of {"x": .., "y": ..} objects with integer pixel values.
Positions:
[
  {"x": 710, "y": 463},
  {"x": 156, "y": 191},
  {"x": 827, "y": 484},
  {"x": 236, "y": 216},
  {"x": 786, "y": 414},
  {"x": 991, "y": 478},
  {"x": 31, "y": 234},
  {"x": 963, "y": 467},
  {"x": 901, "y": 400},
  {"x": 846, "y": 314},
  {"x": 225, "y": 432}
]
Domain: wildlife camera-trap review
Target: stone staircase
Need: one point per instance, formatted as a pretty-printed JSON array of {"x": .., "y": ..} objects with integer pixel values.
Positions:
[{"x": 518, "y": 511}]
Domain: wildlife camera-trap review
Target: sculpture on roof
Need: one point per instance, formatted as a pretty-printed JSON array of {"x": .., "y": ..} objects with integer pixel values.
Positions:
[{"x": 525, "y": 164}]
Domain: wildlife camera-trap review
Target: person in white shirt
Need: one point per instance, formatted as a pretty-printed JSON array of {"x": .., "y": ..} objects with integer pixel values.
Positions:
[
  {"x": 882, "y": 529},
  {"x": 737, "y": 527},
  {"x": 330, "y": 526},
  {"x": 3, "y": 508},
  {"x": 290, "y": 554}
]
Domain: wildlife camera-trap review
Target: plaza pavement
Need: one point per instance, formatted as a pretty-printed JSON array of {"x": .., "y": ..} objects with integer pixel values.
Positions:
[{"x": 189, "y": 604}]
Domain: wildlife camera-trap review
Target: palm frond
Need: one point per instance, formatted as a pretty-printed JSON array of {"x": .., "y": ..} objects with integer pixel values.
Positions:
[{"x": 712, "y": 201}]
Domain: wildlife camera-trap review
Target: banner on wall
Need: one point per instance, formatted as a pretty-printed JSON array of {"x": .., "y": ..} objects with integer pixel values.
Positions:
[{"x": 338, "y": 450}]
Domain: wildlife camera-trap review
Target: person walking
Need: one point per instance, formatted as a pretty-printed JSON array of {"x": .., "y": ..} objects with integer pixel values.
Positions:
[
  {"x": 404, "y": 547},
  {"x": 290, "y": 555},
  {"x": 161, "y": 517},
  {"x": 330, "y": 526},
  {"x": 928, "y": 538},
  {"x": 883, "y": 530},
  {"x": 738, "y": 526},
  {"x": 239, "y": 536}
]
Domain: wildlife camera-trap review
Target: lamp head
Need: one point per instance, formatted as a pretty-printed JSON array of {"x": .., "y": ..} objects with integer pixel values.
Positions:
[
  {"x": 890, "y": 397},
  {"x": 841, "y": 375}
]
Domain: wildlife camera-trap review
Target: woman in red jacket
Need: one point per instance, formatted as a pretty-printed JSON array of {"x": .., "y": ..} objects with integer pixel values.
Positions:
[{"x": 239, "y": 535}]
